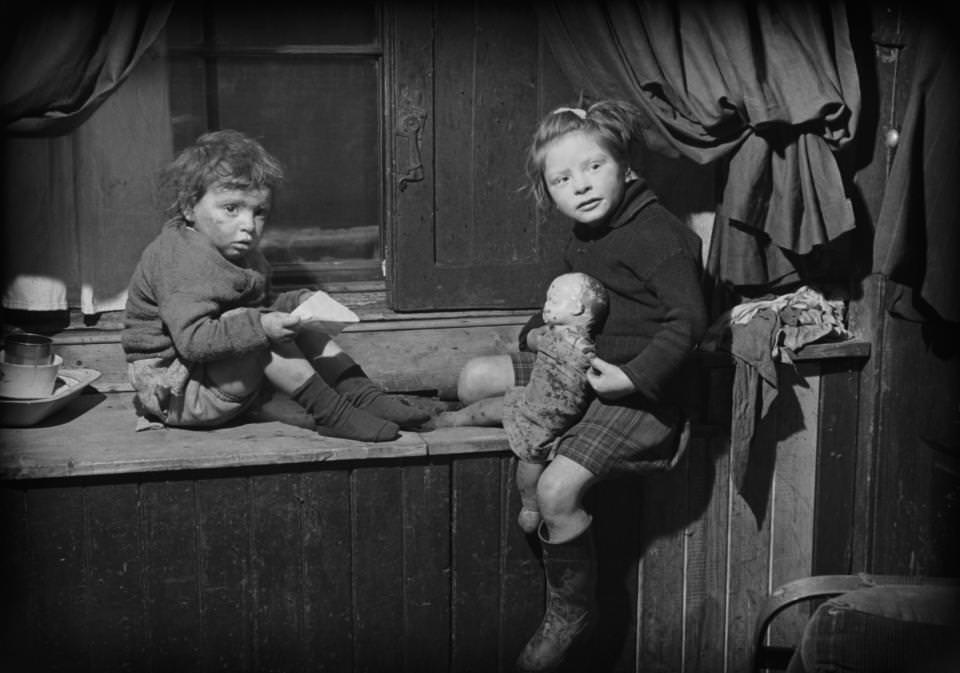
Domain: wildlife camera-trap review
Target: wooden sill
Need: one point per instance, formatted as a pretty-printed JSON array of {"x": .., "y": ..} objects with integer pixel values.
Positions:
[{"x": 96, "y": 436}]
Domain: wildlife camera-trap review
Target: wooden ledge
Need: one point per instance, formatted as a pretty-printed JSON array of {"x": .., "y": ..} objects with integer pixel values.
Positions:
[
  {"x": 96, "y": 436},
  {"x": 829, "y": 350}
]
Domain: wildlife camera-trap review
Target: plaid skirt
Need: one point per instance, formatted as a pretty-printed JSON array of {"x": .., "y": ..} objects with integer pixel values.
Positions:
[{"x": 631, "y": 435}]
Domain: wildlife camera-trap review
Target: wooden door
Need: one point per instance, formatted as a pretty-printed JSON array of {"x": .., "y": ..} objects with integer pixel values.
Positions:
[{"x": 468, "y": 83}]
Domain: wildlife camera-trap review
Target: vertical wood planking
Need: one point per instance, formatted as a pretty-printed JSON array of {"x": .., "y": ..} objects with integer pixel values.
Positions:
[
  {"x": 456, "y": 81},
  {"x": 476, "y": 563},
  {"x": 114, "y": 576},
  {"x": 748, "y": 556},
  {"x": 793, "y": 492},
  {"x": 55, "y": 521},
  {"x": 170, "y": 575},
  {"x": 276, "y": 555},
  {"x": 837, "y": 488},
  {"x": 223, "y": 553},
  {"x": 664, "y": 512},
  {"x": 378, "y": 567},
  {"x": 327, "y": 571},
  {"x": 706, "y": 604},
  {"x": 521, "y": 575},
  {"x": 426, "y": 567},
  {"x": 617, "y": 530},
  {"x": 19, "y": 619}
]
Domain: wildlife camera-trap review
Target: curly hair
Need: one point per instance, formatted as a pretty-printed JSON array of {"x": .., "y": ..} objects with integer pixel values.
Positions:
[
  {"x": 613, "y": 123},
  {"x": 226, "y": 159}
]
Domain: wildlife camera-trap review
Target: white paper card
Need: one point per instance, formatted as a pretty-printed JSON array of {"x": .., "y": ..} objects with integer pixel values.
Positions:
[{"x": 322, "y": 312}]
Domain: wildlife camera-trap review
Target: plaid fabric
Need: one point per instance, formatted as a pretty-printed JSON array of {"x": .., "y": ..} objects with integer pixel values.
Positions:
[{"x": 627, "y": 436}]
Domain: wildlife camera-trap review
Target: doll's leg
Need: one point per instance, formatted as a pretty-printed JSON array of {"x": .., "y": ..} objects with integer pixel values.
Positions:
[
  {"x": 485, "y": 376},
  {"x": 292, "y": 374},
  {"x": 339, "y": 370},
  {"x": 528, "y": 474}
]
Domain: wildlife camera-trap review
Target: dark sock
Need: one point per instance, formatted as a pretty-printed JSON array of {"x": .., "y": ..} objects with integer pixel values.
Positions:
[
  {"x": 365, "y": 394},
  {"x": 337, "y": 417},
  {"x": 348, "y": 379}
]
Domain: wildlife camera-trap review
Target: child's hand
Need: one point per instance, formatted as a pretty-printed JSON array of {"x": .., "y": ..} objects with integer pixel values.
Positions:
[
  {"x": 279, "y": 326},
  {"x": 609, "y": 380},
  {"x": 534, "y": 336}
]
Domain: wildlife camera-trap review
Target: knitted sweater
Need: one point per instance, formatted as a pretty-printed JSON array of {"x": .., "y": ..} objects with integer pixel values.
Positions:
[
  {"x": 179, "y": 294},
  {"x": 650, "y": 264}
]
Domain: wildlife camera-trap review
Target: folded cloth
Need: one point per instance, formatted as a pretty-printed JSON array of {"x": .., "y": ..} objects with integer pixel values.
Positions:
[{"x": 760, "y": 334}]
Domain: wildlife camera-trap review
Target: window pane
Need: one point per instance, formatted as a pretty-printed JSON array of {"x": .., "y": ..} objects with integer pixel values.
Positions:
[
  {"x": 320, "y": 117},
  {"x": 188, "y": 112},
  {"x": 266, "y": 24}
]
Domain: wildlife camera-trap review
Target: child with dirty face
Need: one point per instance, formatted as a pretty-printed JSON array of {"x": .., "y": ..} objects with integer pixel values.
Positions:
[
  {"x": 580, "y": 164},
  {"x": 202, "y": 339}
]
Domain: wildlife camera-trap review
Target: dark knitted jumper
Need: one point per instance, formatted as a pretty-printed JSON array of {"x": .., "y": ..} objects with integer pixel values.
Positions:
[{"x": 650, "y": 263}]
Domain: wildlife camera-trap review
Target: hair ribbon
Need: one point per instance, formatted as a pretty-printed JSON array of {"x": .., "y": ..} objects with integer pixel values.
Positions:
[{"x": 580, "y": 112}]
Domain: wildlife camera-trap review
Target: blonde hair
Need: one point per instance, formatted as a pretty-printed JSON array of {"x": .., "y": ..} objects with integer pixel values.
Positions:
[{"x": 612, "y": 123}]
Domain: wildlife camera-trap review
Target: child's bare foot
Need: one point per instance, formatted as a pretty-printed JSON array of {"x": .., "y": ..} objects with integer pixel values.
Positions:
[
  {"x": 529, "y": 520},
  {"x": 445, "y": 419}
]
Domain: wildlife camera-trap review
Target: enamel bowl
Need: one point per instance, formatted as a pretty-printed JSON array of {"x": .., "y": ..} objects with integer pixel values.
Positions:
[{"x": 25, "y": 382}]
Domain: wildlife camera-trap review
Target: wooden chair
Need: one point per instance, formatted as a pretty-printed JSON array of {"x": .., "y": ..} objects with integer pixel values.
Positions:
[{"x": 777, "y": 657}]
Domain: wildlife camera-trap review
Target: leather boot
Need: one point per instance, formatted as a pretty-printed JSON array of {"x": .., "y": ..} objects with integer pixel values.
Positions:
[{"x": 571, "y": 572}]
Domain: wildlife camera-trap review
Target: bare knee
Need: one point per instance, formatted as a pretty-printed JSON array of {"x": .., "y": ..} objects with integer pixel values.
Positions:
[
  {"x": 484, "y": 376},
  {"x": 556, "y": 495}
]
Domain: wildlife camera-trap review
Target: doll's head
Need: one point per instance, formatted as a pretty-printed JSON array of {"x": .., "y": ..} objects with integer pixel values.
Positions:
[
  {"x": 580, "y": 159},
  {"x": 575, "y": 299},
  {"x": 222, "y": 186}
]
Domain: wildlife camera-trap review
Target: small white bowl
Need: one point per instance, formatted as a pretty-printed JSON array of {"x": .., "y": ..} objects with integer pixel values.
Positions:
[{"x": 27, "y": 382}]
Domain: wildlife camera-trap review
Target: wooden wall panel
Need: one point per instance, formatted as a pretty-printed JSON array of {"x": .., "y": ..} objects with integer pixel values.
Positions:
[
  {"x": 793, "y": 489},
  {"x": 55, "y": 515},
  {"x": 223, "y": 560},
  {"x": 749, "y": 543},
  {"x": 19, "y": 618},
  {"x": 521, "y": 579},
  {"x": 662, "y": 574},
  {"x": 475, "y": 78},
  {"x": 275, "y": 572},
  {"x": 618, "y": 515},
  {"x": 170, "y": 574},
  {"x": 706, "y": 556},
  {"x": 476, "y": 564},
  {"x": 328, "y": 569},
  {"x": 114, "y": 600},
  {"x": 837, "y": 486},
  {"x": 427, "y": 568},
  {"x": 412, "y": 564},
  {"x": 377, "y": 557}
]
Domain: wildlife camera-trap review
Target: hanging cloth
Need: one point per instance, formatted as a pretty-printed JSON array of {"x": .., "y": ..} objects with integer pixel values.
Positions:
[{"x": 769, "y": 88}]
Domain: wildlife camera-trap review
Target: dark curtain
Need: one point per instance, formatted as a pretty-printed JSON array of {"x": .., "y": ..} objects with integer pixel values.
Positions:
[
  {"x": 767, "y": 90},
  {"x": 61, "y": 60},
  {"x": 85, "y": 110}
]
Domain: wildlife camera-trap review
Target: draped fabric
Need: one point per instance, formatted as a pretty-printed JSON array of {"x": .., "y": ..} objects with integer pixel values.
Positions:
[
  {"x": 61, "y": 60},
  {"x": 768, "y": 90},
  {"x": 87, "y": 127},
  {"x": 917, "y": 240}
]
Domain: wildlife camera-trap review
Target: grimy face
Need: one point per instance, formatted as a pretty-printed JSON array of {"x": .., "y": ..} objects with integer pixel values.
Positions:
[
  {"x": 232, "y": 219},
  {"x": 585, "y": 182}
]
